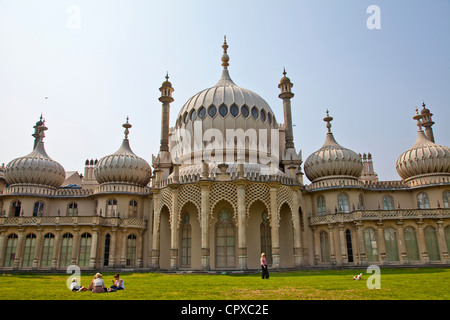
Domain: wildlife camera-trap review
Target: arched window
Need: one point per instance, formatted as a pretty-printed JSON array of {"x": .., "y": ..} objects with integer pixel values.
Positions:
[
  {"x": 186, "y": 238},
  {"x": 16, "y": 207},
  {"x": 10, "y": 252},
  {"x": 132, "y": 209},
  {"x": 324, "y": 247},
  {"x": 432, "y": 244},
  {"x": 131, "y": 250},
  {"x": 106, "y": 253},
  {"x": 412, "y": 249},
  {"x": 72, "y": 209},
  {"x": 348, "y": 240},
  {"x": 343, "y": 203},
  {"x": 111, "y": 208},
  {"x": 85, "y": 249},
  {"x": 321, "y": 206},
  {"x": 38, "y": 209},
  {"x": 370, "y": 242},
  {"x": 422, "y": 201},
  {"x": 66, "y": 250},
  {"x": 225, "y": 240},
  {"x": 234, "y": 110},
  {"x": 390, "y": 238},
  {"x": 47, "y": 250},
  {"x": 446, "y": 198},
  {"x": 388, "y": 202},
  {"x": 266, "y": 237},
  {"x": 193, "y": 115},
  {"x": 28, "y": 250}
]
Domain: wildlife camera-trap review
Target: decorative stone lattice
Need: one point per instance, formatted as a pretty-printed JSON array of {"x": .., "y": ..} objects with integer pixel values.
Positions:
[
  {"x": 190, "y": 193},
  {"x": 223, "y": 191},
  {"x": 284, "y": 195},
  {"x": 254, "y": 192}
]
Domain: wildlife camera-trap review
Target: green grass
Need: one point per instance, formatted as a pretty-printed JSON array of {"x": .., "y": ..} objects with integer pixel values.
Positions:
[{"x": 396, "y": 284}]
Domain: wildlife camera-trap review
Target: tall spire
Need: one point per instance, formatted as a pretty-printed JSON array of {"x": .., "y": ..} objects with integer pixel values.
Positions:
[
  {"x": 286, "y": 95},
  {"x": 225, "y": 79},
  {"x": 166, "y": 98}
]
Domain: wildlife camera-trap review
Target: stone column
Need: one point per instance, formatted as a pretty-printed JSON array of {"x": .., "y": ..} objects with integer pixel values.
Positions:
[
  {"x": 275, "y": 224},
  {"x": 112, "y": 247},
  {"x": 204, "y": 214},
  {"x": 94, "y": 246},
  {"x": 123, "y": 248},
  {"x": 343, "y": 243},
  {"x": 361, "y": 246},
  {"x": 297, "y": 232},
  {"x": 421, "y": 243},
  {"x": 440, "y": 234},
  {"x": 241, "y": 219},
  {"x": 19, "y": 249},
  {"x": 381, "y": 244},
  {"x": 401, "y": 243},
  {"x": 37, "y": 249},
  {"x": 56, "y": 249},
  {"x": 174, "y": 234},
  {"x": 332, "y": 241},
  {"x": 2, "y": 246},
  {"x": 156, "y": 219},
  {"x": 316, "y": 240},
  {"x": 75, "y": 246},
  {"x": 140, "y": 248}
]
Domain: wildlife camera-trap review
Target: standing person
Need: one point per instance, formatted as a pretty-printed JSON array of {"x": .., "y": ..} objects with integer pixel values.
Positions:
[{"x": 265, "y": 271}]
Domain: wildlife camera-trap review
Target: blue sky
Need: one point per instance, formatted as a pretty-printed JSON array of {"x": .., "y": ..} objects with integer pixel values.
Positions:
[{"x": 112, "y": 67}]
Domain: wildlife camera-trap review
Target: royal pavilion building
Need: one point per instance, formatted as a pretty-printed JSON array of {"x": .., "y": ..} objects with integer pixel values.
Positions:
[{"x": 226, "y": 185}]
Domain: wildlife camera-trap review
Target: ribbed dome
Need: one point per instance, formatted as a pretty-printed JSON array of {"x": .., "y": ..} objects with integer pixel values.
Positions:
[
  {"x": 423, "y": 158},
  {"x": 36, "y": 168},
  {"x": 123, "y": 166},
  {"x": 332, "y": 160},
  {"x": 224, "y": 106}
]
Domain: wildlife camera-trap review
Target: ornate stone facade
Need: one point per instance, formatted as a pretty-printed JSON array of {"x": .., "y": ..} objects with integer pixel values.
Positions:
[{"x": 197, "y": 211}]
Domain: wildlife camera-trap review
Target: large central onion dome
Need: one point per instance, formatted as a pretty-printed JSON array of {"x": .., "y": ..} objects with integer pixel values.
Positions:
[
  {"x": 332, "y": 160},
  {"x": 424, "y": 158},
  {"x": 224, "y": 106},
  {"x": 36, "y": 168},
  {"x": 123, "y": 166}
]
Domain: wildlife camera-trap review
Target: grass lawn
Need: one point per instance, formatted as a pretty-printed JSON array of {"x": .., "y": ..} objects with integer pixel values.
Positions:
[{"x": 396, "y": 284}]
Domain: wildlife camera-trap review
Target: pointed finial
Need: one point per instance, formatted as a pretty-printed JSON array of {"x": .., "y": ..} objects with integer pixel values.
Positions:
[
  {"x": 328, "y": 119},
  {"x": 127, "y": 126},
  {"x": 167, "y": 75},
  {"x": 284, "y": 71},
  {"x": 417, "y": 117},
  {"x": 225, "y": 57}
]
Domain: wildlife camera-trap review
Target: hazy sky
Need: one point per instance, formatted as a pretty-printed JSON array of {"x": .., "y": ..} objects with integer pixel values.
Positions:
[{"x": 99, "y": 61}]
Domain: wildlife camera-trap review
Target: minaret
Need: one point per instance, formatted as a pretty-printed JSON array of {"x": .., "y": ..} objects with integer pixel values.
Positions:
[
  {"x": 286, "y": 95},
  {"x": 166, "y": 98},
  {"x": 427, "y": 122},
  {"x": 289, "y": 158}
]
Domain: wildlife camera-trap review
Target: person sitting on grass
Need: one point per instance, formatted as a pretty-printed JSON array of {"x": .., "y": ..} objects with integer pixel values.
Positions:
[
  {"x": 76, "y": 287},
  {"x": 118, "y": 283},
  {"x": 98, "y": 284}
]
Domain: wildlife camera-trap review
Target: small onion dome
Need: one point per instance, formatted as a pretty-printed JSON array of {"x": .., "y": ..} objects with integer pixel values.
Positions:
[
  {"x": 332, "y": 160},
  {"x": 36, "y": 168},
  {"x": 423, "y": 158},
  {"x": 123, "y": 166},
  {"x": 285, "y": 79}
]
